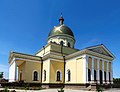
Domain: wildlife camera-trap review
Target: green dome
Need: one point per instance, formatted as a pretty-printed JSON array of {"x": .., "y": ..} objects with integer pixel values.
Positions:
[{"x": 61, "y": 30}]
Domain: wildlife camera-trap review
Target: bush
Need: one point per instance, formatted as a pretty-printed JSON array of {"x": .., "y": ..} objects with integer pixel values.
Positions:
[
  {"x": 99, "y": 88},
  {"x": 61, "y": 89},
  {"x": 5, "y": 90}
]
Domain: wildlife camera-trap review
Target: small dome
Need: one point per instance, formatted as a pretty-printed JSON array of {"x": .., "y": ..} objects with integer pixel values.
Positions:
[{"x": 61, "y": 30}]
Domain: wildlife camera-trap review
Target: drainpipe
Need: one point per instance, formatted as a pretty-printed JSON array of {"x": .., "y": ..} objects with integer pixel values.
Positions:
[
  {"x": 42, "y": 63},
  {"x": 41, "y": 67},
  {"x": 64, "y": 63}
]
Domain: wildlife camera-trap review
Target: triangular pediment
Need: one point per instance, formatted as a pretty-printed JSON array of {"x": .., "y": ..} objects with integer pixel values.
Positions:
[{"x": 101, "y": 49}]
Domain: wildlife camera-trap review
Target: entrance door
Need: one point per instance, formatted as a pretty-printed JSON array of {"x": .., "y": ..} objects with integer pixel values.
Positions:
[{"x": 101, "y": 79}]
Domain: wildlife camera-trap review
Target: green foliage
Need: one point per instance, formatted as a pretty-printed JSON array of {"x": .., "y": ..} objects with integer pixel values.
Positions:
[
  {"x": 61, "y": 89},
  {"x": 26, "y": 87},
  {"x": 13, "y": 91},
  {"x": 1, "y": 74},
  {"x": 6, "y": 90},
  {"x": 116, "y": 80},
  {"x": 99, "y": 88},
  {"x": 40, "y": 88}
]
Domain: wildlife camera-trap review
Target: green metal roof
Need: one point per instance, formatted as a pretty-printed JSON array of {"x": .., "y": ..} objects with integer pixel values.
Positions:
[{"x": 61, "y": 30}]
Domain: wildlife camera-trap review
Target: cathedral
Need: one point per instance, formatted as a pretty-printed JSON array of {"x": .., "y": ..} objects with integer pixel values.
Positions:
[{"x": 58, "y": 62}]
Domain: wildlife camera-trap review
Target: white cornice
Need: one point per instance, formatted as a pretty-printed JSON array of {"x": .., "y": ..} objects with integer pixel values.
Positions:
[
  {"x": 23, "y": 56},
  {"x": 86, "y": 51}
]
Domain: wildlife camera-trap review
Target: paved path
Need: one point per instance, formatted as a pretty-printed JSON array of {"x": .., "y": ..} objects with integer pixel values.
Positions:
[{"x": 66, "y": 90}]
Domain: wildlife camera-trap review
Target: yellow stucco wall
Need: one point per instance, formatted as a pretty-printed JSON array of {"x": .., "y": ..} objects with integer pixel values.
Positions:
[
  {"x": 95, "y": 64},
  {"x": 54, "y": 66},
  {"x": 79, "y": 70},
  {"x": 105, "y": 66},
  {"x": 109, "y": 66},
  {"x": 71, "y": 65},
  {"x": 76, "y": 68},
  {"x": 100, "y": 64},
  {"x": 90, "y": 63},
  {"x": 52, "y": 47},
  {"x": 67, "y": 50},
  {"x": 43, "y": 51},
  {"x": 30, "y": 68},
  {"x": 27, "y": 69},
  {"x": 46, "y": 67},
  {"x": 22, "y": 69}
]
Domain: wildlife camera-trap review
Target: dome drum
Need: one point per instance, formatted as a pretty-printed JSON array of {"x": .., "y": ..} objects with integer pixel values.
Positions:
[{"x": 67, "y": 40}]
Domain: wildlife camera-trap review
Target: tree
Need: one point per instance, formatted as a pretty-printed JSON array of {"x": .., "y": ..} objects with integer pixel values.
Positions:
[
  {"x": 1, "y": 74},
  {"x": 116, "y": 80}
]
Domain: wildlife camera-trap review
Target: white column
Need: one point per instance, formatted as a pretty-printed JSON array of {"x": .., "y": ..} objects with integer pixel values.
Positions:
[
  {"x": 86, "y": 68},
  {"x": 103, "y": 77},
  {"x": 92, "y": 73},
  {"x": 107, "y": 72},
  {"x": 98, "y": 70},
  {"x": 17, "y": 74},
  {"x": 12, "y": 71},
  {"x": 111, "y": 73}
]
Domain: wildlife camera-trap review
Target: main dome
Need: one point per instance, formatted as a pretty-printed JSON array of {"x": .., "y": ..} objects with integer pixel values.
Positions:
[
  {"x": 61, "y": 30},
  {"x": 62, "y": 35}
]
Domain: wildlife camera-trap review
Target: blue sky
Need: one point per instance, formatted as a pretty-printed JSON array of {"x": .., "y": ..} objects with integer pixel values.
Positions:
[{"x": 25, "y": 24}]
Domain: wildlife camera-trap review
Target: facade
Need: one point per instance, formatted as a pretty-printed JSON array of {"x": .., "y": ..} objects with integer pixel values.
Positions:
[{"x": 59, "y": 62}]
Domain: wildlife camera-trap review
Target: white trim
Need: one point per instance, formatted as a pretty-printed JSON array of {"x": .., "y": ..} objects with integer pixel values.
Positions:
[
  {"x": 60, "y": 75},
  {"x": 84, "y": 51},
  {"x": 33, "y": 75},
  {"x": 28, "y": 60},
  {"x": 56, "y": 60},
  {"x": 103, "y": 48}
]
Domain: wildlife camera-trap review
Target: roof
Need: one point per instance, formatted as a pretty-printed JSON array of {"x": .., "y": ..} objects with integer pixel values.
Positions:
[{"x": 61, "y": 30}]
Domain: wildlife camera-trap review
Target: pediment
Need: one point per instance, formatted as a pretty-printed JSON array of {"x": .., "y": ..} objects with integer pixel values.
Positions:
[{"x": 101, "y": 49}]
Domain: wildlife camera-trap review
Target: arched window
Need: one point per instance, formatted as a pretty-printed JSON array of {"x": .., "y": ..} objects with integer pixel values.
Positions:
[
  {"x": 35, "y": 76},
  {"x": 95, "y": 75},
  {"x": 89, "y": 75},
  {"x": 68, "y": 44},
  {"x": 58, "y": 76},
  {"x": 61, "y": 43},
  {"x": 69, "y": 75},
  {"x": 44, "y": 75}
]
